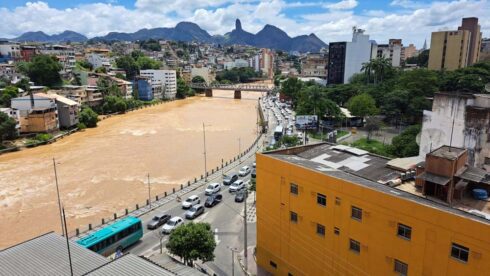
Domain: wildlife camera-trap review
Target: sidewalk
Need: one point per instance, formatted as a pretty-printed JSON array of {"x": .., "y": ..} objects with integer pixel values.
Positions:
[{"x": 253, "y": 268}]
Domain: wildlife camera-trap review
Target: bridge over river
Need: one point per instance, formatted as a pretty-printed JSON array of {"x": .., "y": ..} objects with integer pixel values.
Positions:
[{"x": 237, "y": 88}]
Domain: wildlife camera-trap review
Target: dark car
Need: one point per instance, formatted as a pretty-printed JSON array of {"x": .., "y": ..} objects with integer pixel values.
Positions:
[
  {"x": 230, "y": 178},
  {"x": 213, "y": 200},
  {"x": 240, "y": 196},
  {"x": 157, "y": 221},
  {"x": 254, "y": 173},
  {"x": 194, "y": 211}
]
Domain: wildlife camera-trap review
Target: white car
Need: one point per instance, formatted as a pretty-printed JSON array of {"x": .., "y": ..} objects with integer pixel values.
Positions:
[
  {"x": 236, "y": 186},
  {"x": 212, "y": 188},
  {"x": 244, "y": 171},
  {"x": 171, "y": 224},
  {"x": 191, "y": 201}
]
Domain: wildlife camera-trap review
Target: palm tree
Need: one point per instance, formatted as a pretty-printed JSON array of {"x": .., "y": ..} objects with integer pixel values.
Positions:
[{"x": 367, "y": 67}]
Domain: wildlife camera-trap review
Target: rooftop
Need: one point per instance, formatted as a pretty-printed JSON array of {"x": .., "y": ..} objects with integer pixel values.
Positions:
[
  {"x": 447, "y": 152},
  {"x": 369, "y": 170},
  {"x": 130, "y": 265}
]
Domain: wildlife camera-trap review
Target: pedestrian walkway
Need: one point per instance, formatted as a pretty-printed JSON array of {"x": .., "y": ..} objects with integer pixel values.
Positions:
[{"x": 252, "y": 267}]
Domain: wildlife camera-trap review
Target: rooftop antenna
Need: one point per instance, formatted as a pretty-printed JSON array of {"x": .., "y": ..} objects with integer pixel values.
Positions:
[{"x": 451, "y": 139}]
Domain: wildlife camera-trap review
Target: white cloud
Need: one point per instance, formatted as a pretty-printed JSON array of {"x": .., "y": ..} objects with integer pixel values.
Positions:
[
  {"x": 408, "y": 4},
  {"x": 330, "y": 23},
  {"x": 343, "y": 5}
]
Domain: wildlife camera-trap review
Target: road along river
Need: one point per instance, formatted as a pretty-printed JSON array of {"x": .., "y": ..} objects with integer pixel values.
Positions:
[{"x": 104, "y": 170}]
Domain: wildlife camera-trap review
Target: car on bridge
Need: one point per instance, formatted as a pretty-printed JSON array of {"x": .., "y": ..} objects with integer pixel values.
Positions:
[
  {"x": 157, "y": 221},
  {"x": 194, "y": 211},
  {"x": 171, "y": 225},
  {"x": 212, "y": 200}
]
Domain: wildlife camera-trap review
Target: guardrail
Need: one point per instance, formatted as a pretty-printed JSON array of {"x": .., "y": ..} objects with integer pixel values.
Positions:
[{"x": 242, "y": 87}]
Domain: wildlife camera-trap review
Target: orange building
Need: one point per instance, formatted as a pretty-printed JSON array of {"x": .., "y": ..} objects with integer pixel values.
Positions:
[{"x": 336, "y": 210}]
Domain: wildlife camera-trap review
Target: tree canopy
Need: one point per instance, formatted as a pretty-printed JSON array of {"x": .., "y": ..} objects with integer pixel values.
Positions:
[
  {"x": 88, "y": 117},
  {"x": 198, "y": 79},
  {"x": 237, "y": 75},
  {"x": 43, "y": 70},
  {"x": 7, "y": 127},
  {"x": 362, "y": 105},
  {"x": 129, "y": 65},
  {"x": 291, "y": 88},
  {"x": 7, "y": 94},
  {"x": 192, "y": 241}
]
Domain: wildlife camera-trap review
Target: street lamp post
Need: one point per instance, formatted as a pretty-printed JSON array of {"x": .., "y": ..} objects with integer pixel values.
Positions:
[
  {"x": 233, "y": 250},
  {"x": 205, "y": 159},
  {"x": 149, "y": 193},
  {"x": 58, "y": 194},
  {"x": 239, "y": 149}
]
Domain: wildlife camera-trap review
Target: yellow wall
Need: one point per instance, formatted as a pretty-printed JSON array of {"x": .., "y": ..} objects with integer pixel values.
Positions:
[
  {"x": 457, "y": 49},
  {"x": 297, "y": 249}
]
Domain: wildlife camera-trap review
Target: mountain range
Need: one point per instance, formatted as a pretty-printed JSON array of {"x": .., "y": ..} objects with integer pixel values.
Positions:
[{"x": 269, "y": 37}]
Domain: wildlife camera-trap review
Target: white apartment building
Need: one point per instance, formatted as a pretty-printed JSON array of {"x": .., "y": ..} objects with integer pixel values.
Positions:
[
  {"x": 392, "y": 51},
  {"x": 64, "y": 54},
  {"x": 357, "y": 52},
  {"x": 237, "y": 63},
  {"x": 162, "y": 78},
  {"x": 9, "y": 51},
  {"x": 98, "y": 60}
]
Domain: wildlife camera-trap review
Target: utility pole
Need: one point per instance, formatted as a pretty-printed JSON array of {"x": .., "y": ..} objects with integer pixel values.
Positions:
[
  {"x": 233, "y": 250},
  {"x": 205, "y": 159},
  {"x": 239, "y": 150},
  {"x": 67, "y": 242},
  {"x": 58, "y": 194},
  {"x": 149, "y": 194},
  {"x": 245, "y": 254}
]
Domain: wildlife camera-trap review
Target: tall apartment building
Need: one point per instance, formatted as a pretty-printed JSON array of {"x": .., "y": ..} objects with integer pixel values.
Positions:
[
  {"x": 346, "y": 58},
  {"x": 485, "y": 50},
  {"x": 409, "y": 51},
  {"x": 314, "y": 65},
  {"x": 164, "y": 78},
  {"x": 98, "y": 60},
  {"x": 451, "y": 50},
  {"x": 392, "y": 51},
  {"x": 335, "y": 210},
  {"x": 263, "y": 62},
  {"x": 9, "y": 51}
]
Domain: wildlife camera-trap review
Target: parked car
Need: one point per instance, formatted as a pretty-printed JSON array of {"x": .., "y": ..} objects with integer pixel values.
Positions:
[
  {"x": 244, "y": 171},
  {"x": 157, "y": 221},
  {"x": 213, "y": 200},
  {"x": 191, "y": 201},
  {"x": 212, "y": 188},
  {"x": 171, "y": 225},
  {"x": 237, "y": 185},
  {"x": 194, "y": 211},
  {"x": 254, "y": 165},
  {"x": 240, "y": 196},
  {"x": 230, "y": 178},
  {"x": 254, "y": 173}
]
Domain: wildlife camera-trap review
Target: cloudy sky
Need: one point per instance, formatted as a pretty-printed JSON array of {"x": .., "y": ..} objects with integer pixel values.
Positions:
[{"x": 413, "y": 21}]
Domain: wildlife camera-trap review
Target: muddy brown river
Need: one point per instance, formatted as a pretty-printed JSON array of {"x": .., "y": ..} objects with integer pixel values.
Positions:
[{"x": 104, "y": 170}]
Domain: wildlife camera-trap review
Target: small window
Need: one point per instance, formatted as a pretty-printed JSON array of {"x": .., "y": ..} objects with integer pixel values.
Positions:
[
  {"x": 404, "y": 231},
  {"x": 356, "y": 213},
  {"x": 355, "y": 246},
  {"x": 460, "y": 252},
  {"x": 321, "y": 199},
  {"x": 294, "y": 217},
  {"x": 336, "y": 231},
  {"x": 401, "y": 268},
  {"x": 337, "y": 200},
  {"x": 320, "y": 230},
  {"x": 290, "y": 274},
  {"x": 293, "y": 189},
  {"x": 273, "y": 264}
]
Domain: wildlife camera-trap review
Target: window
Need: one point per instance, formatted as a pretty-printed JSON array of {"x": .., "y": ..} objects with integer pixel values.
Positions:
[
  {"x": 355, "y": 246},
  {"x": 460, "y": 252},
  {"x": 293, "y": 189},
  {"x": 321, "y": 199},
  {"x": 356, "y": 213},
  {"x": 401, "y": 268},
  {"x": 404, "y": 231},
  {"x": 336, "y": 231},
  {"x": 294, "y": 217},
  {"x": 273, "y": 264},
  {"x": 337, "y": 200},
  {"x": 320, "y": 230}
]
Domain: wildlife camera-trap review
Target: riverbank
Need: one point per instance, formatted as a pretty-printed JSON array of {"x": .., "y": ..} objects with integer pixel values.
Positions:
[{"x": 104, "y": 170}]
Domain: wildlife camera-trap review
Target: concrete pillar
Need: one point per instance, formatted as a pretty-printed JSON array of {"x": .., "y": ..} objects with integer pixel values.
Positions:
[
  {"x": 209, "y": 92},
  {"x": 238, "y": 94}
]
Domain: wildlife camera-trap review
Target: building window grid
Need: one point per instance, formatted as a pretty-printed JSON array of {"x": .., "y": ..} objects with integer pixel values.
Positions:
[
  {"x": 293, "y": 188},
  {"x": 321, "y": 199},
  {"x": 404, "y": 231},
  {"x": 320, "y": 229},
  {"x": 460, "y": 252},
  {"x": 355, "y": 246},
  {"x": 401, "y": 268},
  {"x": 356, "y": 213},
  {"x": 293, "y": 217}
]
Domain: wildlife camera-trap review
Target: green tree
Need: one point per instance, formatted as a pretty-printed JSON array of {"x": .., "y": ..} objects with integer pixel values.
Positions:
[
  {"x": 145, "y": 63},
  {"x": 314, "y": 101},
  {"x": 88, "y": 117},
  {"x": 192, "y": 241},
  {"x": 44, "y": 70},
  {"x": 8, "y": 94},
  {"x": 113, "y": 104},
  {"x": 182, "y": 89},
  {"x": 128, "y": 64},
  {"x": 120, "y": 76},
  {"x": 198, "y": 79},
  {"x": 23, "y": 84},
  {"x": 101, "y": 70},
  {"x": 362, "y": 105},
  {"x": 373, "y": 123},
  {"x": 405, "y": 144},
  {"x": 85, "y": 65},
  {"x": 7, "y": 127},
  {"x": 291, "y": 88}
]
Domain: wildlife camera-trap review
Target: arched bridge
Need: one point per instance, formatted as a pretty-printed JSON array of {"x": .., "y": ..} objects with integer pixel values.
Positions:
[{"x": 238, "y": 88}]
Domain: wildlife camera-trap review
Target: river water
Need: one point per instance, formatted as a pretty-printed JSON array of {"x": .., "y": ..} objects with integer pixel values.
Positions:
[{"x": 104, "y": 170}]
